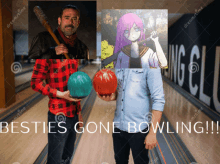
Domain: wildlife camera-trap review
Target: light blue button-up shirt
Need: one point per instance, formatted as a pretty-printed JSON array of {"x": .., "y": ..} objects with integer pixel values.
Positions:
[{"x": 139, "y": 92}]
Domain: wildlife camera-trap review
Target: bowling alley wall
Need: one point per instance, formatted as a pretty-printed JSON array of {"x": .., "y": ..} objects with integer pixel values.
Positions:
[{"x": 194, "y": 55}]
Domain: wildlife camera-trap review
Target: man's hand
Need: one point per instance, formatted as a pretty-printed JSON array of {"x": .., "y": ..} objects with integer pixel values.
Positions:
[
  {"x": 80, "y": 125},
  {"x": 107, "y": 98},
  {"x": 150, "y": 141},
  {"x": 66, "y": 95},
  {"x": 61, "y": 49}
]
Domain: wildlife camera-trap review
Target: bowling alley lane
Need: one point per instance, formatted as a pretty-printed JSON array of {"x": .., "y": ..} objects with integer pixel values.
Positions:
[
  {"x": 20, "y": 79},
  {"x": 18, "y": 146},
  {"x": 96, "y": 147},
  {"x": 204, "y": 147}
]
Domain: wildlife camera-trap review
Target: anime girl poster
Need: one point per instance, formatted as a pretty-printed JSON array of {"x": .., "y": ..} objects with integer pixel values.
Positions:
[{"x": 134, "y": 38}]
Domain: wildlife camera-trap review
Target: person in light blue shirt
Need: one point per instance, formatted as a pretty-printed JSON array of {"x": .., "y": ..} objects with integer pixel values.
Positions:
[{"x": 139, "y": 96}]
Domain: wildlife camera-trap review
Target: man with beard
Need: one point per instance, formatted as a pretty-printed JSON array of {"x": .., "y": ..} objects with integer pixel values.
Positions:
[{"x": 43, "y": 45}]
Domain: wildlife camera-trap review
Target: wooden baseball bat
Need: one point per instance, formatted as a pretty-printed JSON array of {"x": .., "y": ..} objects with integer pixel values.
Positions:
[{"x": 43, "y": 19}]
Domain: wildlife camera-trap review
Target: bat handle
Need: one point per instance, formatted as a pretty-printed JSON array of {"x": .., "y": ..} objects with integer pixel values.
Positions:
[
  {"x": 47, "y": 26},
  {"x": 66, "y": 56}
]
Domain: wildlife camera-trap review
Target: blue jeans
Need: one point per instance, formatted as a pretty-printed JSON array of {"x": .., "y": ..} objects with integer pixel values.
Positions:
[
  {"x": 61, "y": 145},
  {"x": 125, "y": 141}
]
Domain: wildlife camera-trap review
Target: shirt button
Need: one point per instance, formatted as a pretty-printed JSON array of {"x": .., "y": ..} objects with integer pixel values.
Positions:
[
  {"x": 122, "y": 109},
  {"x": 123, "y": 90},
  {"x": 122, "y": 100}
]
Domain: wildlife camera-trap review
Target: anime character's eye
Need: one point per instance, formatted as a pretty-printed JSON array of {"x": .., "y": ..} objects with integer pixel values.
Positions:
[
  {"x": 137, "y": 29},
  {"x": 126, "y": 31}
]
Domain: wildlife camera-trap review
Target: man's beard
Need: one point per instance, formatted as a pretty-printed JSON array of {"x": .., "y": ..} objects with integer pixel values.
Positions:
[{"x": 68, "y": 32}]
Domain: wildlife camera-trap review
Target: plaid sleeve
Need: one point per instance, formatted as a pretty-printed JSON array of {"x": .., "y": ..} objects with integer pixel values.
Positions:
[
  {"x": 75, "y": 63},
  {"x": 39, "y": 75}
]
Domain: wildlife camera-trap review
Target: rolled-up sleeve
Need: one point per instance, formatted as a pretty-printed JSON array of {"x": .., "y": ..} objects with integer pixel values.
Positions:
[{"x": 155, "y": 85}]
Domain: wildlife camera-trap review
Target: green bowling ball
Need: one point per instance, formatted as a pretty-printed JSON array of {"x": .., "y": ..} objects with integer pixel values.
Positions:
[{"x": 79, "y": 84}]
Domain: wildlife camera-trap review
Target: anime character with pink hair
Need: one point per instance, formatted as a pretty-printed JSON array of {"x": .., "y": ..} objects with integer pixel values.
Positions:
[{"x": 131, "y": 52}]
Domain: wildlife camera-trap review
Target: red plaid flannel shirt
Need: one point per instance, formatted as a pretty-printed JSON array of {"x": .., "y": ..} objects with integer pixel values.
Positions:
[{"x": 56, "y": 73}]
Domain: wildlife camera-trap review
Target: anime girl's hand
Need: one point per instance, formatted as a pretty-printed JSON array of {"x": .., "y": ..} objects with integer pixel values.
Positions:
[
  {"x": 159, "y": 51},
  {"x": 154, "y": 36}
]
